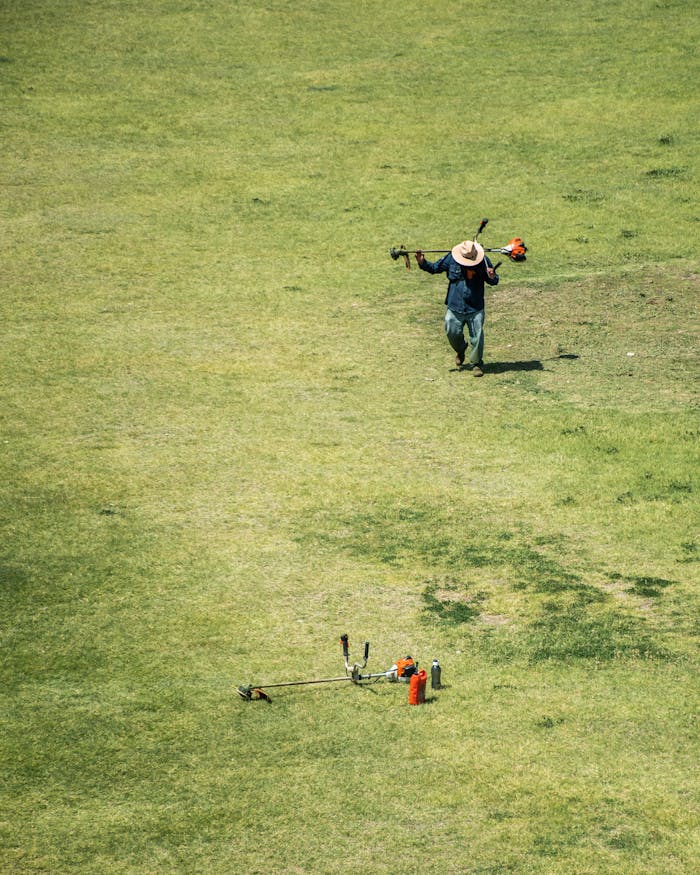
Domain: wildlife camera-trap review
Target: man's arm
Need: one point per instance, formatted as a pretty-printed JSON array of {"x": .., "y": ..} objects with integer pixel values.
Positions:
[
  {"x": 492, "y": 277},
  {"x": 431, "y": 266}
]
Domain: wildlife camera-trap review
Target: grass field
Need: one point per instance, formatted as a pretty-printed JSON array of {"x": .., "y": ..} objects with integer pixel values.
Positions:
[{"x": 232, "y": 430}]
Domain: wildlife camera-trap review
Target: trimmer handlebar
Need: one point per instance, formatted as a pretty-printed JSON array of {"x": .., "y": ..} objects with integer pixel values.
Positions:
[
  {"x": 482, "y": 225},
  {"x": 353, "y": 669}
]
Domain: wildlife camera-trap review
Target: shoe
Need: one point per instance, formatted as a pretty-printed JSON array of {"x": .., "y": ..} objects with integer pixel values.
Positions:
[
  {"x": 478, "y": 370},
  {"x": 459, "y": 359}
]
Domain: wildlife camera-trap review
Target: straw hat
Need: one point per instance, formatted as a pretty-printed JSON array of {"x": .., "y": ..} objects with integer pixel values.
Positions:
[{"x": 468, "y": 253}]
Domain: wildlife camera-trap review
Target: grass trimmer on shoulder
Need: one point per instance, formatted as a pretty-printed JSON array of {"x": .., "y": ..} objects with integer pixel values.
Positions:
[
  {"x": 402, "y": 670},
  {"x": 515, "y": 249}
]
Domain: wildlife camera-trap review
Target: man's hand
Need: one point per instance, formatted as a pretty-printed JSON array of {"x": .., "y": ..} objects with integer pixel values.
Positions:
[
  {"x": 490, "y": 273},
  {"x": 420, "y": 258}
]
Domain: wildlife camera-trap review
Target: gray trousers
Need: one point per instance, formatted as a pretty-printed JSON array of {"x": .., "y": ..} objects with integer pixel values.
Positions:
[{"x": 454, "y": 329}]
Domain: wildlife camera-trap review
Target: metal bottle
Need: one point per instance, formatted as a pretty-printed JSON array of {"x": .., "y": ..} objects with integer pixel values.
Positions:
[{"x": 435, "y": 675}]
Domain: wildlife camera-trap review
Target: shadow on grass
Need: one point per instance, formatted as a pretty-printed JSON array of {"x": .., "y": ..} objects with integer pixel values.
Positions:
[
  {"x": 531, "y": 365},
  {"x": 505, "y": 367}
]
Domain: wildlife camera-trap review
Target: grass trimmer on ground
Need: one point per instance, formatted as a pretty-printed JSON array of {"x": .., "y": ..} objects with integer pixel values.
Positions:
[
  {"x": 402, "y": 670},
  {"x": 515, "y": 249}
]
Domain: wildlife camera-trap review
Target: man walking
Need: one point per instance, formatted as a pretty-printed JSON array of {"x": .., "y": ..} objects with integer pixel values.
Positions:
[{"x": 467, "y": 268}]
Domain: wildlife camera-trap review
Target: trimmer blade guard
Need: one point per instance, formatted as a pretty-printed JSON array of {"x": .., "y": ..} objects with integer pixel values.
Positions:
[
  {"x": 401, "y": 253},
  {"x": 249, "y": 693}
]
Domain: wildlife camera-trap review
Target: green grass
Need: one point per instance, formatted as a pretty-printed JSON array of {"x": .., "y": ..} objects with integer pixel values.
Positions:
[{"x": 232, "y": 430}]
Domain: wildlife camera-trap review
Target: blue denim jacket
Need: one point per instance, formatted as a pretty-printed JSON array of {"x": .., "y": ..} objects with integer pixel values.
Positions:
[{"x": 465, "y": 291}]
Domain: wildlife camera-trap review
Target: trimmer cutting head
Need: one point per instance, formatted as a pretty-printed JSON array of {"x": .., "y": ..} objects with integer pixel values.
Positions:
[{"x": 249, "y": 693}]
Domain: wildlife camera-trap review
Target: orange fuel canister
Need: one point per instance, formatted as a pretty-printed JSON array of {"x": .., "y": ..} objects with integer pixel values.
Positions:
[{"x": 416, "y": 688}]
